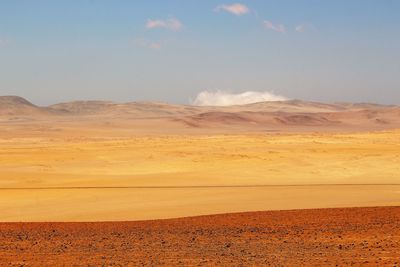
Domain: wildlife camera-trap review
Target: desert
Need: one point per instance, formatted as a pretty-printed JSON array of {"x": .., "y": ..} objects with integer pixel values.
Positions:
[
  {"x": 145, "y": 183},
  {"x": 147, "y": 162},
  {"x": 199, "y": 133}
]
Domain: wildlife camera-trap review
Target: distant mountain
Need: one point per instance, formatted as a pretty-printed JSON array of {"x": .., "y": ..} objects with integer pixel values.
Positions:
[
  {"x": 136, "y": 109},
  {"x": 263, "y": 115},
  {"x": 18, "y": 106},
  {"x": 14, "y": 101}
]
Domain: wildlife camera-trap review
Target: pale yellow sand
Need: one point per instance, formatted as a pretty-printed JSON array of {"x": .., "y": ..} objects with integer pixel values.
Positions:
[
  {"x": 141, "y": 204},
  {"x": 217, "y": 160}
]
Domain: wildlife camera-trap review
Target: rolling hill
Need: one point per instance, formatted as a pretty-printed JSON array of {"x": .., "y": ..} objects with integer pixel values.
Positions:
[{"x": 277, "y": 116}]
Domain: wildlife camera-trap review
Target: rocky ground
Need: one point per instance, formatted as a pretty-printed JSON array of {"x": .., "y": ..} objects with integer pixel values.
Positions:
[{"x": 321, "y": 237}]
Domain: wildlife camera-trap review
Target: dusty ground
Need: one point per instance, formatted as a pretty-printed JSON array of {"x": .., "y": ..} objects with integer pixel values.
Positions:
[{"x": 327, "y": 237}]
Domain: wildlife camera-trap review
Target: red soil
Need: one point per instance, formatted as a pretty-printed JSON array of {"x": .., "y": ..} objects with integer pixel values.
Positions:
[{"x": 321, "y": 237}]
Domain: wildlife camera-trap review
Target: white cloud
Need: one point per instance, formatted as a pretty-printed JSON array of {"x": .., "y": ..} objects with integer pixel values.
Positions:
[
  {"x": 274, "y": 27},
  {"x": 300, "y": 28},
  {"x": 236, "y": 9},
  {"x": 172, "y": 24},
  {"x": 222, "y": 98}
]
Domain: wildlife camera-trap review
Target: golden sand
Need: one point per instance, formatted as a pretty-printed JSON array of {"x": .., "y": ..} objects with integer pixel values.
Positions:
[{"x": 172, "y": 176}]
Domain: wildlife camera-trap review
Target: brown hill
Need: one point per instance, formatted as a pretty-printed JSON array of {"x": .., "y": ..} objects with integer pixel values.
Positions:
[
  {"x": 17, "y": 106},
  {"x": 258, "y": 119},
  {"x": 279, "y": 115},
  {"x": 134, "y": 109},
  {"x": 293, "y": 106}
]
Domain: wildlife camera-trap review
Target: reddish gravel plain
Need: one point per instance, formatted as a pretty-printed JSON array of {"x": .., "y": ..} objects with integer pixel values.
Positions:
[{"x": 320, "y": 237}]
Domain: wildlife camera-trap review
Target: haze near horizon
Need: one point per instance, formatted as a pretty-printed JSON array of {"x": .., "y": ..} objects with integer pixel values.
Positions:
[{"x": 58, "y": 51}]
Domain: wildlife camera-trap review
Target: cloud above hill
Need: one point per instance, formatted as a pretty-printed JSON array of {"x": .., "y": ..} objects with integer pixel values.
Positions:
[{"x": 223, "y": 98}]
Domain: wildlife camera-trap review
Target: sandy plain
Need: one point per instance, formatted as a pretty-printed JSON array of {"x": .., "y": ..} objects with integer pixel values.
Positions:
[{"x": 148, "y": 177}]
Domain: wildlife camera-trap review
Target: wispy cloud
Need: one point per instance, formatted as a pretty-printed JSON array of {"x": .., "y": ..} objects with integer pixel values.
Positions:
[
  {"x": 274, "y": 27},
  {"x": 304, "y": 27},
  {"x": 222, "y": 98},
  {"x": 235, "y": 9},
  {"x": 172, "y": 24},
  {"x": 147, "y": 44},
  {"x": 300, "y": 28}
]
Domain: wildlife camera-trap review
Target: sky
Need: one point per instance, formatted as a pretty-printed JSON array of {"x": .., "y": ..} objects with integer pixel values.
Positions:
[{"x": 171, "y": 50}]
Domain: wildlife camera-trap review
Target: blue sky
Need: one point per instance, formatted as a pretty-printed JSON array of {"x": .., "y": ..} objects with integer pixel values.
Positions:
[{"x": 337, "y": 50}]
